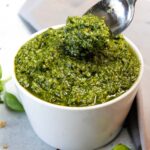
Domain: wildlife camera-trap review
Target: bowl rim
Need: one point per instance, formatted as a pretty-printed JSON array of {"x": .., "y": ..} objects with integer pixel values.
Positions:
[{"x": 74, "y": 108}]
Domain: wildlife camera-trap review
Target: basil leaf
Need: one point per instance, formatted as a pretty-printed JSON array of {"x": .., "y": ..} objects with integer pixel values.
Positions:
[
  {"x": 1, "y": 86},
  {"x": 0, "y": 72},
  {"x": 1, "y": 102},
  {"x": 12, "y": 102},
  {"x": 1, "y": 98},
  {"x": 121, "y": 147}
]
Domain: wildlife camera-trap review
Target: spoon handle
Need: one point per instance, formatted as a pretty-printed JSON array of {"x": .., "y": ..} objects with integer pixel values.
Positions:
[{"x": 132, "y": 2}]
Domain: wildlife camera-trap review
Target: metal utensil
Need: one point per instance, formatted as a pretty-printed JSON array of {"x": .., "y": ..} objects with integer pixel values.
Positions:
[{"x": 118, "y": 14}]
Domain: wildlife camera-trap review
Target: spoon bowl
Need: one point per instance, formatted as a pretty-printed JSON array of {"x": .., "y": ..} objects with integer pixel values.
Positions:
[{"x": 118, "y": 14}]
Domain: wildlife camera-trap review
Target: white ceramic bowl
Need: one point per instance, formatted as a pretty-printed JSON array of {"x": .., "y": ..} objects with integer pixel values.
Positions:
[{"x": 78, "y": 128}]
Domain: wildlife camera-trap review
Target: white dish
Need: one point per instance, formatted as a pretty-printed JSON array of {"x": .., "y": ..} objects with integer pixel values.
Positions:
[{"x": 78, "y": 128}]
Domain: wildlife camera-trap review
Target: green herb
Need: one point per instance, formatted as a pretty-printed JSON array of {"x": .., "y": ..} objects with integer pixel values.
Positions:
[
  {"x": 12, "y": 102},
  {"x": 121, "y": 147},
  {"x": 1, "y": 102},
  {"x": 0, "y": 72},
  {"x": 1, "y": 82},
  {"x": 80, "y": 64},
  {"x": 1, "y": 86}
]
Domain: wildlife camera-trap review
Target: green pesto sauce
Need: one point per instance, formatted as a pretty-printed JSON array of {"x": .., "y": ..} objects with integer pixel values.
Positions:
[{"x": 80, "y": 64}]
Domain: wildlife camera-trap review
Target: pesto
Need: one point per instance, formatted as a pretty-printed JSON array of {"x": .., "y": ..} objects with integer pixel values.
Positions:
[
  {"x": 84, "y": 36},
  {"x": 80, "y": 64}
]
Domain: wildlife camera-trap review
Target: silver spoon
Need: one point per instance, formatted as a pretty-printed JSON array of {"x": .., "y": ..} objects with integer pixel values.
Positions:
[{"x": 118, "y": 14}]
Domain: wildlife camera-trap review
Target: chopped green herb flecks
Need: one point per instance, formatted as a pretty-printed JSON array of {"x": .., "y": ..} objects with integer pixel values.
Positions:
[
  {"x": 80, "y": 64},
  {"x": 84, "y": 36}
]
